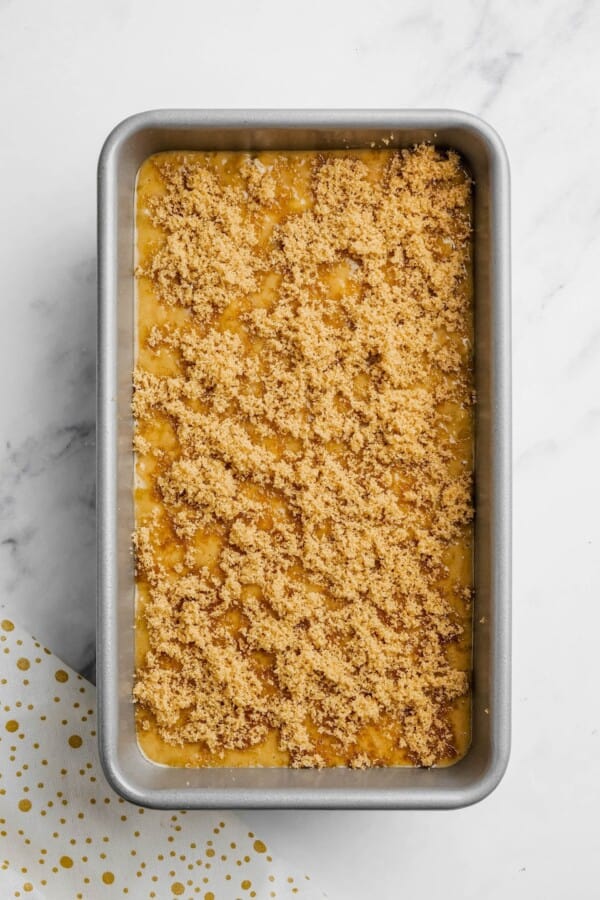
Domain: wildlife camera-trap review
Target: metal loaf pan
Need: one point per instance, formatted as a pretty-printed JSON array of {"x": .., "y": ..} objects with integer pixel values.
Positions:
[{"x": 147, "y": 783}]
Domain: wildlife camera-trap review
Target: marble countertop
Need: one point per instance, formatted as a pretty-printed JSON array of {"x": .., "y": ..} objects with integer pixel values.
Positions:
[{"x": 69, "y": 72}]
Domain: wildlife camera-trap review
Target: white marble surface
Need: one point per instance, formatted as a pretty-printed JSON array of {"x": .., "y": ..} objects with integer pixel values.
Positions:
[{"x": 68, "y": 72}]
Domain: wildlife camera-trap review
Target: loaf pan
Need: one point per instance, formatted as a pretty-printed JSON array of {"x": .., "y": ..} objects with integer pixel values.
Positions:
[{"x": 129, "y": 772}]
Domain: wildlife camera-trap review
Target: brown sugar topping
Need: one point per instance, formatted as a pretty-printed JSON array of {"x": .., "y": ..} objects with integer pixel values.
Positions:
[{"x": 303, "y": 428}]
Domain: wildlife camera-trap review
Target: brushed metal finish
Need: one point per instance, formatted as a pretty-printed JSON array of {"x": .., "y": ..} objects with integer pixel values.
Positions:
[{"x": 147, "y": 783}]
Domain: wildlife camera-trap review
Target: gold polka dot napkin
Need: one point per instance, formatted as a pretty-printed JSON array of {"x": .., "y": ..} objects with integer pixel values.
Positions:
[{"x": 64, "y": 834}]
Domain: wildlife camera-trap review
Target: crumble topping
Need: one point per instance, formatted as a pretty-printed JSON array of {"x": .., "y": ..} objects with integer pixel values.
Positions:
[{"x": 307, "y": 449}]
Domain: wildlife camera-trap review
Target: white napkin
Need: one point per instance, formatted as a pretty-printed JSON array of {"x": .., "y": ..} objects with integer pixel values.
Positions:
[{"x": 64, "y": 834}]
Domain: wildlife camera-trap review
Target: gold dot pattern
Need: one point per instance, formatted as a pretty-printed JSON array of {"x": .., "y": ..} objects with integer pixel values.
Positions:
[{"x": 65, "y": 835}]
